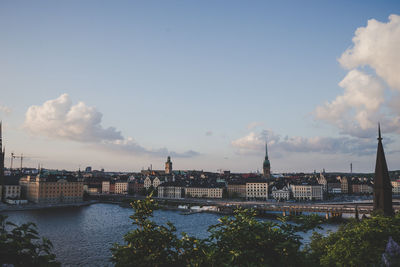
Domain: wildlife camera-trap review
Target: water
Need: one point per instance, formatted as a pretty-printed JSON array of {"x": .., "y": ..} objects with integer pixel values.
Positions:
[{"x": 83, "y": 236}]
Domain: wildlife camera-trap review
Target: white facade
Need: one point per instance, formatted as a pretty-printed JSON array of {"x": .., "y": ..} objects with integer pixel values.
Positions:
[
  {"x": 156, "y": 182},
  {"x": 151, "y": 182},
  {"x": 147, "y": 183},
  {"x": 105, "y": 187},
  {"x": 283, "y": 193},
  {"x": 307, "y": 192},
  {"x": 396, "y": 187},
  {"x": 12, "y": 191},
  {"x": 169, "y": 191},
  {"x": 203, "y": 192},
  {"x": 257, "y": 190},
  {"x": 121, "y": 188}
]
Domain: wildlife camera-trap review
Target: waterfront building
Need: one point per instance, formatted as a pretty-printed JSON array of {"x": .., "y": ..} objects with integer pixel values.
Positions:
[
  {"x": 203, "y": 192},
  {"x": 52, "y": 188},
  {"x": 280, "y": 194},
  {"x": 396, "y": 187},
  {"x": 93, "y": 190},
  {"x": 236, "y": 189},
  {"x": 266, "y": 164},
  {"x": 344, "y": 184},
  {"x": 112, "y": 187},
  {"x": 170, "y": 190},
  {"x": 12, "y": 191},
  {"x": 105, "y": 187},
  {"x": 323, "y": 181},
  {"x": 151, "y": 181},
  {"x": 168, "y": 166},
  {"x": 307, "y": 191},
  {"x": 382, "y": 185},
  {"x": 257, "y": 189},
  {"x": 121, "y": 187},
  {"x": 361, "y": 187},
  {"x": 147, "y": 182},
  {"x": 136, "y": 187},
  {"x": 334, "y": 187}
]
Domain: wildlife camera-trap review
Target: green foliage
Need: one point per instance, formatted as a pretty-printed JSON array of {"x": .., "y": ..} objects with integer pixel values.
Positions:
[
  {"x": 22, "y": 246},
  {"x": 357, "y": 243},
  {"x": 241, "y": 240}
]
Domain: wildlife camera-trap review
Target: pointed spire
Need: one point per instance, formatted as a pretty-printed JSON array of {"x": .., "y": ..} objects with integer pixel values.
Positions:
[
  {"x": 266, "y": 150},
  {"x": 379, "y": 132},
  {"x": 382, "y": 184}
]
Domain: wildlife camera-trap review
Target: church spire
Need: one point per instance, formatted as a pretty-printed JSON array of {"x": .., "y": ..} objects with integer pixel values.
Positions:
[
  {"x": 382, "y": 185},
  {"x": 266, "y": 164}
]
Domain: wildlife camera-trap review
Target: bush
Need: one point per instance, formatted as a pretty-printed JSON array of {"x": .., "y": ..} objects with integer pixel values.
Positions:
[{"x": 22, "y": 246}]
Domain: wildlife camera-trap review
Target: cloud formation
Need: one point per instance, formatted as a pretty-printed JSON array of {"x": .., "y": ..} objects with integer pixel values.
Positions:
[
  {"x": 254, "y": 143},
  {"x": 357, "y": 111},
  {"x": 60, "y": 119}
]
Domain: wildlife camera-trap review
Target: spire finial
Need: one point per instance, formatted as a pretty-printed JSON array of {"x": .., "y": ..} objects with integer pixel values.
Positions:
[{"x": 379, "y": 132}]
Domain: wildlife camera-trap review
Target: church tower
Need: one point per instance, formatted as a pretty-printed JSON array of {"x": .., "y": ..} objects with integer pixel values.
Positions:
[
  {"x": 382, "y": 185},
  {"x": 266, "y": 164},
  {"x": 168, "y": 166}
]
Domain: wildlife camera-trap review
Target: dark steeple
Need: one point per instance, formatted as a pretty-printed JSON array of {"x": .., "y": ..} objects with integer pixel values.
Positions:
[
  {"x": 266, "y": 164},
  {"x": 382, "y": 185}
]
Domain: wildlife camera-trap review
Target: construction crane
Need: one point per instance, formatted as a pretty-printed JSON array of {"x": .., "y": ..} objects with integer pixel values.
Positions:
[{"x": 13, "y": 156}]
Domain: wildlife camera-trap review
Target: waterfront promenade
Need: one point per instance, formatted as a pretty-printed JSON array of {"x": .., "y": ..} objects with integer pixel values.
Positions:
[
  {"x": 223, "y": 205},
  {"x": 227, "y": 206},
  {"x": 36, "y": 206}
]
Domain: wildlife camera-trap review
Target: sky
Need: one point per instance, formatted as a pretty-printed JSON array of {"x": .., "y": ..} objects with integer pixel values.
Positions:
[{"x": 121, "y": 85}]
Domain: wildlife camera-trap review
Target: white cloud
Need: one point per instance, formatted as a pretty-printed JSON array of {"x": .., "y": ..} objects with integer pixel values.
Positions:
[
  {"x": 60, "y": 119},
  {"x": 5, "y": 109},
  {"x": 357, "y": 111},
  {"x": 254, "y": 143},
  {"x": 377, "y": 45}
]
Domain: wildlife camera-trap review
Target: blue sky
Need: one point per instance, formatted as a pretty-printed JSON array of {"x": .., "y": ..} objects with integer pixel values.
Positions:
[{"x": 207, "y": 82}]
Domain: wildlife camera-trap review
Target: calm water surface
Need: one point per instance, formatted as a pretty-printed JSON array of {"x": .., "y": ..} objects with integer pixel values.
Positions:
[{"x": 83, "y": 236}]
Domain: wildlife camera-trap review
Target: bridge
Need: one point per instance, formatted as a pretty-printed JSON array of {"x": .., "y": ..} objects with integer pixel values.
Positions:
[{"x": 286, "y": 208}]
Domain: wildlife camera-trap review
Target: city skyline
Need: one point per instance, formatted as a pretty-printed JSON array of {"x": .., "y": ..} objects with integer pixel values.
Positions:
[{"x": 121, "y": 87}]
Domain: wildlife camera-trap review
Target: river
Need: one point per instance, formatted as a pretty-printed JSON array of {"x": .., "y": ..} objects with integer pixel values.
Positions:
[{"x": 83, "y": 236}]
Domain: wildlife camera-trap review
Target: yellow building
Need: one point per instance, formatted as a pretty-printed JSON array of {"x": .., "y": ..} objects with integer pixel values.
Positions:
[{"x": 52, "y": 188}]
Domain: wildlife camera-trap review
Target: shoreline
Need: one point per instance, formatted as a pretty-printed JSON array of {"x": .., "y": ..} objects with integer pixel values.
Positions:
[
  {"x": 8, "y": 207},
  {"x": 163, "y": 204}
]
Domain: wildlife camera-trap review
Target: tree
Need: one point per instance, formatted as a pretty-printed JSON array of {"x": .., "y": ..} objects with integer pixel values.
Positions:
[
  {"x": 22, "y": 246},
  {"x": 241, "y": 240},
  {"x": 153, "y": 245},
  {"x": 357, "y": 243}
]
